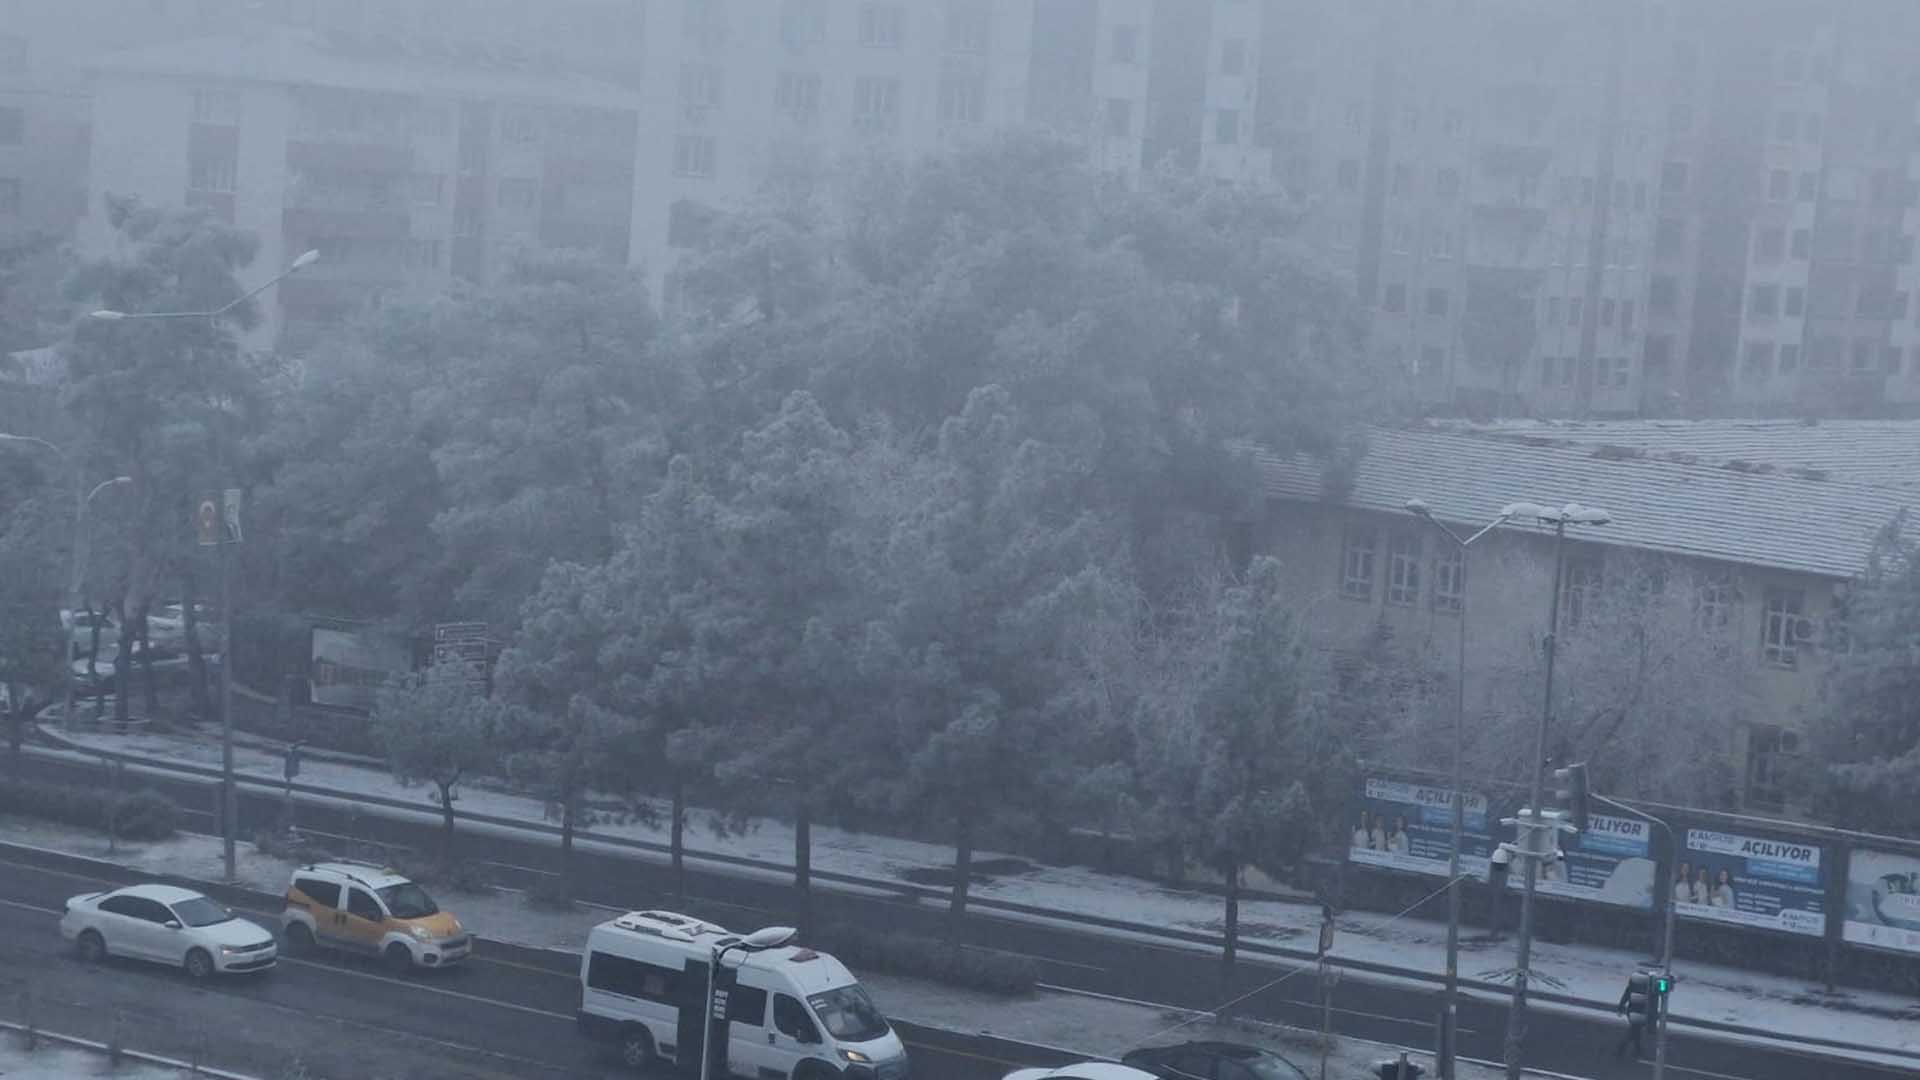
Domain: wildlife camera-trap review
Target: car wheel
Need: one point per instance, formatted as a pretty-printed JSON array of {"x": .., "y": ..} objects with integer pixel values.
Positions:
[
  {"x": 199, "y": 963},
  {"x": 299, "y": 938},
  {"x": 92, "y": 947},
  {"x": 811, "y": 1070},
  {"x": 398, "y": 959},
  {"x": 636, "y": 1047}
]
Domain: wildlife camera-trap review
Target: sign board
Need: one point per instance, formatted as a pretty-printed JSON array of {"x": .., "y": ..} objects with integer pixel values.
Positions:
[
  {"x": 462, "y": 644},
  {"x": 1403, "y": 825},
  {"x": 1883, "y": 900},
  {"x": 347, "y": 668},
  {"x": 1751, "y": 881},
  {"x": 1611, "y": 863},
  {"x": 216, "y": 517}
]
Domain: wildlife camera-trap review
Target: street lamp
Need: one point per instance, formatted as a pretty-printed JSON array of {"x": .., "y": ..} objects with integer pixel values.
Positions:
[
  {"x": 228, "y": 809},
  {"x": 1532, "y": 821},
  {"x": 81, "y": 500},
  {"x": 770, "y": 937},
  {"x": 1450, "y": 1021}
]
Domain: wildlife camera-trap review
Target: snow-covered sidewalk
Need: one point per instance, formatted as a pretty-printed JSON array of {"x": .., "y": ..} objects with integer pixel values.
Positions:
[
  {"x": 54, "y": 1058},
  {"x": 1070, "y": 1022},
  {"x": 1788, "y": 1007}
]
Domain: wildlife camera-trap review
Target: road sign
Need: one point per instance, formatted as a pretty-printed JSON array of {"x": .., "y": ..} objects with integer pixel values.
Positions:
[
  {"x": 462, "y": 644},
  {"x": 449, "y": 632},
  {"x": 216, "y": 517}
]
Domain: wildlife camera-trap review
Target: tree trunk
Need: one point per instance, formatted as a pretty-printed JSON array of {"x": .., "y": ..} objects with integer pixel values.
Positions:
[
  {"x": 146, "y": 659},
  {"x": 446, "y": 818},
  {"x": 196, "y": 657},
  {"x": 93, "y": 657},
  {"x": 962, "y": 873},
  {"x": 123, "y": 666},
  {"x": 678, "y": 845},
  {"x": 803, "y": 864},
  {"x": 1233, "y": 914},
  {"x": 567, "y": 800}
]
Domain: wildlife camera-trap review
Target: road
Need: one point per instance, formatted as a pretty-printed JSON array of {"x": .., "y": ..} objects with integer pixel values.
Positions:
[
  {"x": 508, "y": 1015},
  {"x": 1401, "y": 1013}
]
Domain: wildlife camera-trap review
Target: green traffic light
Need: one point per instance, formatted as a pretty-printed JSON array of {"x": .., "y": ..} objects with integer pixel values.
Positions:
[{"x": 1662, "y": 984}]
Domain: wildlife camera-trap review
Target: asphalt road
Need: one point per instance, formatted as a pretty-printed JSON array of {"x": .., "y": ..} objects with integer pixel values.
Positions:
[
  {"x": 506, "y": 1014},
  {"x": 1568, "y": 1042}
]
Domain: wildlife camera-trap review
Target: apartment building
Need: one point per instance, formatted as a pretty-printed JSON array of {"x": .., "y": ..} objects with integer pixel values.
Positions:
[
  {"x": 405, "y": 169},
  {"x": 1767, "y": 523}
]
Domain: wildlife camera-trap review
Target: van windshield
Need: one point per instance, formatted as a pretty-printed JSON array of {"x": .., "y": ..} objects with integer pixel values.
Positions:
[
  {"x": 849, "y": 1014},
  {"x": 408, "y": 901}
]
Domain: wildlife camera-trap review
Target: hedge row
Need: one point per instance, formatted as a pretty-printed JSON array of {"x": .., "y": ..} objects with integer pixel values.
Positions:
[
  {"x": 142, "y": 814},
  {"x": 930, "y": 958}
]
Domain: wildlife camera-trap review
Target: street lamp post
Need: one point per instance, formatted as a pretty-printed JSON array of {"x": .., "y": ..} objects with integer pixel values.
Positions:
[
  {"x": 1533, "y": 821},
  {"x": 82, "y": 498},
  {"x": 228, "y": 807},
  {"x": 1450, "y": 1025},
  {"x": 771, "y": 937}
]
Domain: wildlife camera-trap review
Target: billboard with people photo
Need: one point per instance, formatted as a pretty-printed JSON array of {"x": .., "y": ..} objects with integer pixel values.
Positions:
[
  {"x": 1611, "y": 863},
  {"x": 1403, "y": 825},
  {"x": 1883, "y": 900},
  {"x": 1751, "y": 881}
]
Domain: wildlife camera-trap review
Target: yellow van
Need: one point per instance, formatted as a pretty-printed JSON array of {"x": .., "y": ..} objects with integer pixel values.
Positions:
[{"x": 362, "y": 908}]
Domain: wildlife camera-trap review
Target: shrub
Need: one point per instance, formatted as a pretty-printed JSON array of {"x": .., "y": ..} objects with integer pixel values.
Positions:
[
  {"x": 930, "y": 958},
  {"x": 551, "y": 891},
  {"x": 460, "y": 875},
  {"x": 139, "y": 815}
]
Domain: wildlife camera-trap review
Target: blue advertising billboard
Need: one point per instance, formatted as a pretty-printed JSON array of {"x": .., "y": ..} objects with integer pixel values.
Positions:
[
  {"x": 1883, "y": 901},
  {"x": 1405, "y": 825},
  {"x": 1751, "y": 881},
  {"x": 1611, "y": 863}
]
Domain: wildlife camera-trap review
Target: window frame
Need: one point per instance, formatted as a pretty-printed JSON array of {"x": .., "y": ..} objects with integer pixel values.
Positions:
[
  {"x": 1359, "y": 560},
  {"x": 1403, "y": 583},
  {"x": 1782, "y": 608}
]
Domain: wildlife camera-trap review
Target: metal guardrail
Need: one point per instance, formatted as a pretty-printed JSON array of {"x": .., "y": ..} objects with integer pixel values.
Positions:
[{"x": 923, "y": 892}]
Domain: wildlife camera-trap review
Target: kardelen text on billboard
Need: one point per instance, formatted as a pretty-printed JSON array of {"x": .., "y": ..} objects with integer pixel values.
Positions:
[
  {"x": 1755, "y": 881},
  {"x": 1404, "y": 825},
  {"x": 1883, "y": 900}
]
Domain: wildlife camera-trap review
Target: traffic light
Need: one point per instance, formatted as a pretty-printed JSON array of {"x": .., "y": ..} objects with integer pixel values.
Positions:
[
  {"x": 1645, "y": 994},
  {"x": 1572, "y": 792}
]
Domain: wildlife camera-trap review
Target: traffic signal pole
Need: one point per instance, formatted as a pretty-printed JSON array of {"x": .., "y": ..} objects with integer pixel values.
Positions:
[{"x": 1666, "y": 929}]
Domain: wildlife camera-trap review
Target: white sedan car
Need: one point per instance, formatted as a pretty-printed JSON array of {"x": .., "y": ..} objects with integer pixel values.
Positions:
[
  {"x": 1085, "y": 1070},
  {"x": 167, "y": 925}
]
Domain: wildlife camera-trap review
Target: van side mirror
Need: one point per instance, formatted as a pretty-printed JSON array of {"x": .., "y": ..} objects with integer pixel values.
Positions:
[{"x": 810, "y": 1035}]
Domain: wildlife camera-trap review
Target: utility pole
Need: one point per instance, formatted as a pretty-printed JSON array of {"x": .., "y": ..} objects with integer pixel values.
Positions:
[{"x": 1666, "y": 929}]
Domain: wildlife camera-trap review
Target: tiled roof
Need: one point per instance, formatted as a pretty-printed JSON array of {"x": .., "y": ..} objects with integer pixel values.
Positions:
[
  {"x": 296, "y": 57},
  {"x": 1777, "y": 519},
  {"x": 1859, "y": 451}
]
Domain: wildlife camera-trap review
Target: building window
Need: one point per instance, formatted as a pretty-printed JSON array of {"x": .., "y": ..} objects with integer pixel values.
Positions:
[
  {"x": 522, "y": 126},
  {"x": 699, "y": 91},
  {"x": 1579, "y": 588},
  {"x": 963, "y": 99},
  {"x": 693, "y": 155},
  {"x": 424, "y": 253},
  {"x": 1233, "y": 56},
  {"x": 1449, "y": 580},
  {"x": 1802, "y": 243},
  {"x": 1622, "y": 370},
  {"x": 1226, "y": 127},
  {"x": 519, "y": 194},
  {"x": 1358, "y": 549},
  {"x": 1789, "y": 358},
  {"x": 1795, "y": 304},
  {"x": 1575, "y": 306},
  {"x": 1608, "y": 308},
  {"x": 1890, "y": 357},
  {"x": 9, "y": 195},
  {"x": 688, "y": 223},
  {"x": 882, "y": 26},
  {"x": 970, "y": 27},
  {"x": 1764, "y": 301},
  {"x": 1440, "y": 244},
  {"x": 1626, "y": 316},
  {"x": 13, "y": 126},
  {"x": 1807, "y": 187},
  {"x": 220, "y": 107},
  {"x": 876, "y": 104},
  {"x": 214, "y": 171},
  {"x": 1862, "y": 355},
  {"x": 1783, "y": 629},
  {"x": 1403, "y": 569},
  {"x": 1119, "y": 118},
  {"x": 1758, "y": 363},
  {"x": 1769, "y": 750},
  {"x": 426, "y": 189},
  {"x": 1673, "y": 178},
  {"x": 1439, "y": 302},
  {"x": 706, "y": 21},
  {"x": 796, "y": 96},
  {"x": 1348, "y": 175},
  {"x": 1770, "y": 243},
  {"x": 1394, "y": 300},
  {"x": 432, "y": 121},
  {"x": 1126, "y": 44}
]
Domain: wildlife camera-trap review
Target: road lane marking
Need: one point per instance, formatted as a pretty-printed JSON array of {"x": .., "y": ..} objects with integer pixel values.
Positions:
[
  {"x": 32, "y": 907},
  {"x": 960, "y": 1053},
  {"x": 415, "y": 985}
]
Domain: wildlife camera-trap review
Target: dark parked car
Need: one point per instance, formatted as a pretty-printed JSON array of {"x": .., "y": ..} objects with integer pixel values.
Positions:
[{"x": 1213, "y": 1061}]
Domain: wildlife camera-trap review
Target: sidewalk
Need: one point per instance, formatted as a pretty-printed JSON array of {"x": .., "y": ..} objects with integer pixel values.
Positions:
[
  {"x": 1787, "y": 1007},
  {"x": 1074, "y": 1023}
]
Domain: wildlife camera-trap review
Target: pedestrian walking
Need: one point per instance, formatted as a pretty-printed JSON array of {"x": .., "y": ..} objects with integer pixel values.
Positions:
[{"x": 1636, "y": 1018}]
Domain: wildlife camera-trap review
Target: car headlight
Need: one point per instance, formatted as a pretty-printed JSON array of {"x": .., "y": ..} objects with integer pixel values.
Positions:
[
  {"x": 856, "y": 1057},
  {"x": 420, "y": 933}
]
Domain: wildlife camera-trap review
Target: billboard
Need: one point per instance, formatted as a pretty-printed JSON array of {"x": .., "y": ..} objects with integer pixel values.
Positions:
[
  {"x": 1751, "y": 881},
  {"x": 1883, "y": 900},
  {"x": 347, "y": 668},
  {"x": 1401, "y": 825},
  {"x": 1611, "y": 863}
]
